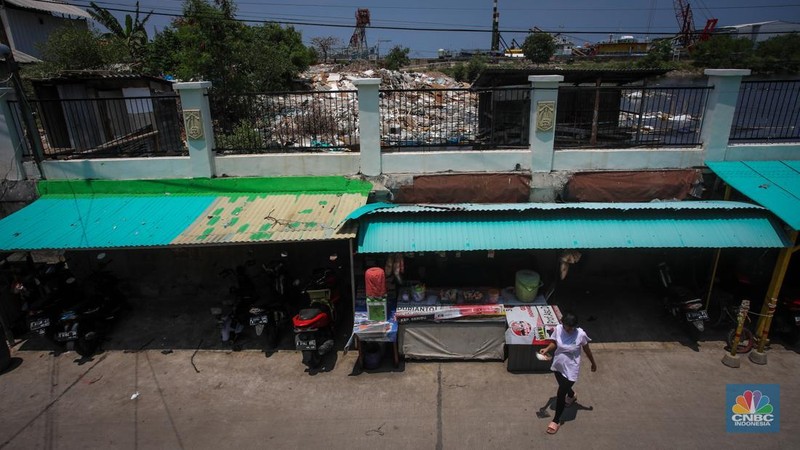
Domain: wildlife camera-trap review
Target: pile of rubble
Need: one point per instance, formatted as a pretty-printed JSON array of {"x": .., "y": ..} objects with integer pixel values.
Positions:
[
  {"x": 416, "y": 108},
  {"x": 328, "y": 77}
]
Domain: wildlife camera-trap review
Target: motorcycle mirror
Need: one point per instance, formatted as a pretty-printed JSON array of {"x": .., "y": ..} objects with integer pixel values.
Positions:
[
  {"x": 101, "y": 256},
  {"x": 333, "y": 257},
  {"x": 284, "y": 254}
]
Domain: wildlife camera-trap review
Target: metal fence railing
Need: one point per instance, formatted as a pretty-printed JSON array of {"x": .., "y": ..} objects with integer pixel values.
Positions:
[
  {"x": 457, "y": 118},
  {"x": 625, "y": 117},
  {"x": 278, "y": 122},
  {"x": 107, "y": 127},
  {"x": 767, "y": 111}
]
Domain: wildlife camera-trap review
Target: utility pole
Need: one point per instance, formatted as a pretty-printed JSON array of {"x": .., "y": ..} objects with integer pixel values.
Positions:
[
  {"x": 27, "y": 114},
  {"x": 495, "y": 29}
]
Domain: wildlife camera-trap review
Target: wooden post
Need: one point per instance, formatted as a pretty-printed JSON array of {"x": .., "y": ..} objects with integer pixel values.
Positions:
[{"x": 743, "y": 310}]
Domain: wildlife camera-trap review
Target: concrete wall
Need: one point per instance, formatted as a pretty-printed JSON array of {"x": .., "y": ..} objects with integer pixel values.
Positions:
[{"x": 370, "y": 161}]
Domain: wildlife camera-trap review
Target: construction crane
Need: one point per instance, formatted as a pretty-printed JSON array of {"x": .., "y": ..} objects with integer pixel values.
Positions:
[
  {"x": 688, "y": 36},
  {"x": 358, "y": 41}
]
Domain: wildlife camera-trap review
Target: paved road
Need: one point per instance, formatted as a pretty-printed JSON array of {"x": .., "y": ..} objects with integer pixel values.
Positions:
[{"x": 657, "y": 395}]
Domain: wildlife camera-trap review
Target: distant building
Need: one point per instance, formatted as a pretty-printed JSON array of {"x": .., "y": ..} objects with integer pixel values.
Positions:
[
  {"x": 26, "y": 24},
  {"x": 760, "y": 31}
]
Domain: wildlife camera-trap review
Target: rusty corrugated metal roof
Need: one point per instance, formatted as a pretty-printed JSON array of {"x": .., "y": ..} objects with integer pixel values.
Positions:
[
  {"x": 275, "y": 218},
  {"x": 51, "y": 6}
]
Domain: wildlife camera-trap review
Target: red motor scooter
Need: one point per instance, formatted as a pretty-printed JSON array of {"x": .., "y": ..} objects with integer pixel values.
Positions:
[{"x": 313, "y": 326}]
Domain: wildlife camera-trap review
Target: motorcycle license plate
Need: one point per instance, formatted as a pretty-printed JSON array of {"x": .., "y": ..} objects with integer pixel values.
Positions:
[
  {"x": 263, "y": 319},
  {"x": 39, "y": 323},
  {"x": 305, "y": 345},
  {"x": 693, "y": 316},
  {"x": 62, "y": 336}
]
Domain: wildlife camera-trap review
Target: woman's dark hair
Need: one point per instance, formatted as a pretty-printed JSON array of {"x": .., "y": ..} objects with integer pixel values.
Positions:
[{"x": 569, "y": 320}]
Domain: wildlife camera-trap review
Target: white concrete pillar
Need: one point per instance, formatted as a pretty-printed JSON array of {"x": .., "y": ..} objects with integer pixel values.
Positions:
[
  {"x": 198, "y": 127},
  {"x": 369, "y": 125},
  {"x": 11, "y": 139},
  {"x": 721, "y": 105},
  {"x": 542, "y": 133}
]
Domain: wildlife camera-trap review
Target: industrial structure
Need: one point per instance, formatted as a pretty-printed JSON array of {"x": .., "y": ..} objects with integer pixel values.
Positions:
[{"x": 358, "y": 41}]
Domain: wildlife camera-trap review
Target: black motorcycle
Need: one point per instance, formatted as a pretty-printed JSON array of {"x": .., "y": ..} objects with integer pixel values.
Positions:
[
  {"x": 262, "y": 309},
  {"x": 84, "y": 323},
  {"x": 682, "y": 303}
]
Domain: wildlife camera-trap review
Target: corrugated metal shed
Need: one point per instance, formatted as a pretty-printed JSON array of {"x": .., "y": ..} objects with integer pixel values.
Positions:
[
  {"x": 52, "y": 6},
  {"x": 91, "y": 214},
  {"x": 773, "y": 184},
  {"x": 569, "y": 226}
]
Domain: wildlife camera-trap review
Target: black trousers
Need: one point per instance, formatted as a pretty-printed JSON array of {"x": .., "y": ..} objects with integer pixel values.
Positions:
[{"x": 564, "y": 389}]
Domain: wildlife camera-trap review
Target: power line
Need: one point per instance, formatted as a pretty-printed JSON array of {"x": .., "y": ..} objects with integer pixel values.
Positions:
[{"x": 282, "y": 21}]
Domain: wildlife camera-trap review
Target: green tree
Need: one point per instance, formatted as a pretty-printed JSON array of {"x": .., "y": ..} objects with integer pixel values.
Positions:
[
  {"x": 474, "y": 67},
  {"x": 779, "y": 54},
  {"x": 723, "y": 52},
  {"x": 208, "y": 43},
  {"x": 659, "y": 55},
  {"x": 397, "y": 58},
  {"x": 132, "y": 33},
  {"x": 75, "y": 48},
  {"x": 539, "y": 47}
]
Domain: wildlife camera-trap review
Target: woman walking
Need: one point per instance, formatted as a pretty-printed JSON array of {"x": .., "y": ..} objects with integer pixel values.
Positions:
[{"x": 568, "y": 340}]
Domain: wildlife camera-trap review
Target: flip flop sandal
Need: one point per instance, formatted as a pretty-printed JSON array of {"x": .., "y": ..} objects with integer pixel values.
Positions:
[{"x": 552, "y": 428}]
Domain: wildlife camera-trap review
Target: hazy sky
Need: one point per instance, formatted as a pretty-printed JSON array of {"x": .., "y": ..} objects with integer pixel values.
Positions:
[{"x": 580, "y": 20}]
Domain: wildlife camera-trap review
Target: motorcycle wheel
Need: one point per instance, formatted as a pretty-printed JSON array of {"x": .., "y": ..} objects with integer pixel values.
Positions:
[
  {"x": 746, "y": 340},
  {"x": 86, "y": 347},
  {"x": 271, "y": 336},
  {"x": 311, "y": 359}
]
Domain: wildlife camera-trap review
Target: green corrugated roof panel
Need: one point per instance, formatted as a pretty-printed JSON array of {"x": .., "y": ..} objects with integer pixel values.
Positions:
[
  {"x": 773, "y": 184},
  {"x": 567, "y": 229},
  {"x": 98, "y": 214}
]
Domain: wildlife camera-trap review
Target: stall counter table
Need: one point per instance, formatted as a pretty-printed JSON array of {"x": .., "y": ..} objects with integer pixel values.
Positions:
[
  {"x": 529, "y": 330},
  {"x": 374, "y": 331}
]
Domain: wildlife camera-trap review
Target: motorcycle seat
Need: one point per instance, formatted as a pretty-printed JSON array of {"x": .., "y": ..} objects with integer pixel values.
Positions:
[{"x": 309, "y": 313}]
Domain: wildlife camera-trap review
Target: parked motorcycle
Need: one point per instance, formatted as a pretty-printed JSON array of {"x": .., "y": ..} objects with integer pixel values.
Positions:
[
  {"x": 314, "y": 325},
  {"x": 682, "y": 303},
  {"x": 83, "y": 325},
  {"x": 44, "y": 294},
  {"x": 260, "y": 308}
]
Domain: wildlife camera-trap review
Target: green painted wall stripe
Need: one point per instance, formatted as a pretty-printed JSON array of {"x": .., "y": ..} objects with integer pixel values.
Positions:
[{"x": 193, "y": 186}]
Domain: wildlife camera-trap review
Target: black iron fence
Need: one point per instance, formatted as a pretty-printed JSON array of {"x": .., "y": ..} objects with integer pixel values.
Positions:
[
  {"x": 280, "y": 122},
  {"x": 625, "y": 117},
  {"x": 767, "y": 111},
  {"x": 454, "y": 118},
  {"x": 107, "y": 127}
]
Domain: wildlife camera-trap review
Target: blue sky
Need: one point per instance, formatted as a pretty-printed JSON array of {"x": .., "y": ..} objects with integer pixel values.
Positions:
[{"x": 580, "y": 20}]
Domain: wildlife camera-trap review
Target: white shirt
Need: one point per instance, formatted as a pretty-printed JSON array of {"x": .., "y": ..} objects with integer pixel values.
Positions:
[{"x": 567, "y": 357}]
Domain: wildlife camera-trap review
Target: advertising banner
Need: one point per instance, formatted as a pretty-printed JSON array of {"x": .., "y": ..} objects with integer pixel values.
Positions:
[
  {"x": 438, "y": 313},
  {"x": 531, "y": 325}
]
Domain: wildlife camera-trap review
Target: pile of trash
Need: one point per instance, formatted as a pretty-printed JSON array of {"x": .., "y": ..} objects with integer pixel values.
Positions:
[
  {"x": 417, "y": 109},
  {"x": 329, "y": 77}
]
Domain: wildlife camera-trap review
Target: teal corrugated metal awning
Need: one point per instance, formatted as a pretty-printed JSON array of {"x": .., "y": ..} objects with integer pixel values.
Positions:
[
  {"x": 773, "y": 184},
  {"x": 102, "y": 214},
  {"x": 568, "y": 226},
  {"x": 100, "y": 222}
]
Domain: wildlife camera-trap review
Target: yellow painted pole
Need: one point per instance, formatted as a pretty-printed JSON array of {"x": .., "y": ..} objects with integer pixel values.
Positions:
[
  {"x": 742, "y": 316},
  {"x": 774, "y": 290}
]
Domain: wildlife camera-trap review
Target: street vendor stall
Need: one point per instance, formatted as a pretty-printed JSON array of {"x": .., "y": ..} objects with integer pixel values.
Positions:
[{"x": 456, "y": 269}]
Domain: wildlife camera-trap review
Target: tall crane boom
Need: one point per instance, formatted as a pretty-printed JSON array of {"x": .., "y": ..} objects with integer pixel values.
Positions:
[{"x": 683, "y": 12}]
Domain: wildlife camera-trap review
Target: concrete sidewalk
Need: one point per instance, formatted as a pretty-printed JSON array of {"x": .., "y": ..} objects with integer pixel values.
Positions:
[{"x": 657, "y": 395}]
